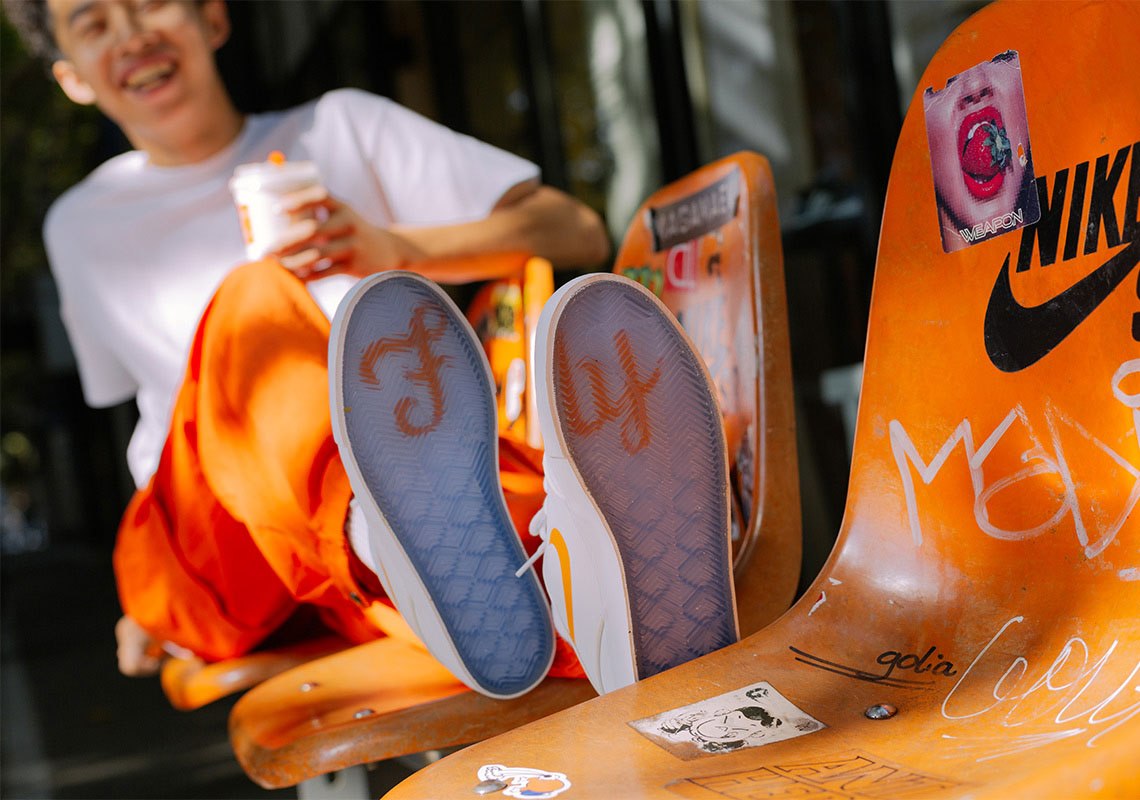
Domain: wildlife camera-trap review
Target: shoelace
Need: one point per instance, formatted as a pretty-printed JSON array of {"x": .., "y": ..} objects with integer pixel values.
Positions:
[{"x": 537, "y": 528}]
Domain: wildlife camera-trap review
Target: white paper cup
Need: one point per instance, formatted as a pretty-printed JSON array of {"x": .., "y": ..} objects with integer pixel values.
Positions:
[{"x": 257, "y": 190}]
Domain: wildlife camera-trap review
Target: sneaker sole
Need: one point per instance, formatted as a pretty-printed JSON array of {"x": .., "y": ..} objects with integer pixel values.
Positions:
[
  {"x": 638, "y": 417},
  {"x": 415, "y": 420}
]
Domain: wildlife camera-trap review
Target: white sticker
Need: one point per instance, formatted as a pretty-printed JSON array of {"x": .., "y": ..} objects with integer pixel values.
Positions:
[
  {"x": 747, "y": 717},
  {"x": 525, "y": 782}
]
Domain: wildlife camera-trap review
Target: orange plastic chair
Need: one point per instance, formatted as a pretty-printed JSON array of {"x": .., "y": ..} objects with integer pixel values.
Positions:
[
  {"x": 189, "y": 682},
  {"x": 366, "y": 707},
  {"x": 504, "y": 314},
  {"x": 976, "y": 631}
]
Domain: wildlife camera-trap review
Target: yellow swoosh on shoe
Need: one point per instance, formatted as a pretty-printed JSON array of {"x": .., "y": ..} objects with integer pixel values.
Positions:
[{"x": 564, "y": 562}]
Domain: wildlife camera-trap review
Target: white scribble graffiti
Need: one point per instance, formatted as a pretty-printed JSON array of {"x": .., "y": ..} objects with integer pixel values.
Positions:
[
  {"x": 1066, "y": 685},
  {"x": 1038, "y": 459},
  {"x": 999, "y": 746}
]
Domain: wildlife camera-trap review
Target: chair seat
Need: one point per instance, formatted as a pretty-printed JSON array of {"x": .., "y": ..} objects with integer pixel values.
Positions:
[
  {"x": 368, "y": 703},
  {"x": 932, "y": 747},
  {"x": 191, "y": 683}
]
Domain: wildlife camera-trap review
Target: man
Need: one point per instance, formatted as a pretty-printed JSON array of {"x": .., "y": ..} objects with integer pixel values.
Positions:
[{"x": 140, "y": 246}]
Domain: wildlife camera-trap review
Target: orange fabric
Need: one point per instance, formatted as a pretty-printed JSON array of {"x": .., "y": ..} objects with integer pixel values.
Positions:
[{"x": 244, "y": 518}]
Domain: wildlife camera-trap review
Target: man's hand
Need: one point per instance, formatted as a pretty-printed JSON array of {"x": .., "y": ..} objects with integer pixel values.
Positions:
[
  {"x": 327, "y": 236},
  {"x": 138, "y": 652}
]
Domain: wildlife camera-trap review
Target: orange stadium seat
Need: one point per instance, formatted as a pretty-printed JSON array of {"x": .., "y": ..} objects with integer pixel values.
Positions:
[{"x": 976, "y": 631}]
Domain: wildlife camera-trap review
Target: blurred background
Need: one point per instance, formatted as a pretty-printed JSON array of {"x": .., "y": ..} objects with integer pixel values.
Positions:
[{"x": 612, "y": 98}]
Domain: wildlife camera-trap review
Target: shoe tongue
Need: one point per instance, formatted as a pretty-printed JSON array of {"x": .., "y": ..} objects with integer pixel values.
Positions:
[{"x": 537, "y": 525}]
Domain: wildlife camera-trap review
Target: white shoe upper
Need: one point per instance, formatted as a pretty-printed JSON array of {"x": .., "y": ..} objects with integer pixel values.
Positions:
[{"x": 592, "y": 612}]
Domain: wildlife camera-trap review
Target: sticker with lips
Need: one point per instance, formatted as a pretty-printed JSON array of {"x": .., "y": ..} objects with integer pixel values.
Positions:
[
  {"x": 978, "y": 134},
  {"x": 985, "y": 150}
]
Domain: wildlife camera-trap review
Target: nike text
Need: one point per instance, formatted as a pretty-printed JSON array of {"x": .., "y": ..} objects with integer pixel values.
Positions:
[
  {"x": 1101, "y": 210},
  {"x": 1018, "y": 336}
]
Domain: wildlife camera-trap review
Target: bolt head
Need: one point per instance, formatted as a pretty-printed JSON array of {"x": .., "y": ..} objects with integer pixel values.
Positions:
[
  {"x": 489, "y": 786},
  {"x": 880, "y": 711}
]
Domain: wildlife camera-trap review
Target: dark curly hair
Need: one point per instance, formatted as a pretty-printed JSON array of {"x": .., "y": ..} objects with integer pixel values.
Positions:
[{"x": 32, "y": 20}]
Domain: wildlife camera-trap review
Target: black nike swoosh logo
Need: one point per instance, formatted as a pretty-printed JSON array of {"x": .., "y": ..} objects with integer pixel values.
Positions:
[{"x": 1017, "y": 337}]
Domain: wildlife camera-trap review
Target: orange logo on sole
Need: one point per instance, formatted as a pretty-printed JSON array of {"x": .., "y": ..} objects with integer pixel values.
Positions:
[
  {"x": 419, "y": 341},
  {"x": 631, "y": 404}
]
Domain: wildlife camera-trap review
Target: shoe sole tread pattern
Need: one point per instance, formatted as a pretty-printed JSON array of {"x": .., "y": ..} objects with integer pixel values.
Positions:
[
  {"x": 623, "y": 377},
  {"x": 420, "y": 417}
]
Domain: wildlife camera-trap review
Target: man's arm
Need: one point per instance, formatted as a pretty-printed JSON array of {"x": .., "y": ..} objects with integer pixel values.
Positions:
[
  {"x": 534, "y": 218},
  {"x": 529, "y": 217}
]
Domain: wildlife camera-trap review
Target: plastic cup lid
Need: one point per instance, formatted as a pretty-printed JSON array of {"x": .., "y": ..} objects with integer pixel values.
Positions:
[{"x": 270, "y": 175}]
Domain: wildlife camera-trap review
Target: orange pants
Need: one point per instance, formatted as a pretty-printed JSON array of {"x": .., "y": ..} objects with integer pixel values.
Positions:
[{"x": 243, "y": 521}]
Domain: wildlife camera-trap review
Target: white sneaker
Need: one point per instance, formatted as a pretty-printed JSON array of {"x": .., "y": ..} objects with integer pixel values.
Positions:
[
  {"x": 414, "y": 417},
  {"x": 637, "y": 556}
]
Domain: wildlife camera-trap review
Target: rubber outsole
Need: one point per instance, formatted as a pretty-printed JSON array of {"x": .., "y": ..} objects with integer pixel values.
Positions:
[
  {"x": 637, "y": 413},
  {"x": 420, "y": 423}
]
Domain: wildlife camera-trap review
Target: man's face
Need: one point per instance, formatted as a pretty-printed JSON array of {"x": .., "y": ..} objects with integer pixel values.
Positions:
[
  {"x": 137, "y": 59},
  {"x": 977, "y": 171}
]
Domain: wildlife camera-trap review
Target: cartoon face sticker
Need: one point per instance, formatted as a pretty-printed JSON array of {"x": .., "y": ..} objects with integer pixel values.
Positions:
[
  {"x": 978, "y": 133},
  {"x": 748, "y": 717},
  {"x": 725, "y": 729},
  {"x": 524, "y": 782}
]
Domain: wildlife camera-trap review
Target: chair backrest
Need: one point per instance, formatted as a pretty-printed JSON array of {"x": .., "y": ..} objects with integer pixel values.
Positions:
[
  {"x": 709, "y": 246},
  {"x": 992, "y": 511},
  {"x": 504, "y": 313}
]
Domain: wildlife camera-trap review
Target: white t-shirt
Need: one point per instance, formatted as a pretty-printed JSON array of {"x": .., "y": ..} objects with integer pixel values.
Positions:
[{"x": 138, "y": 250}]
